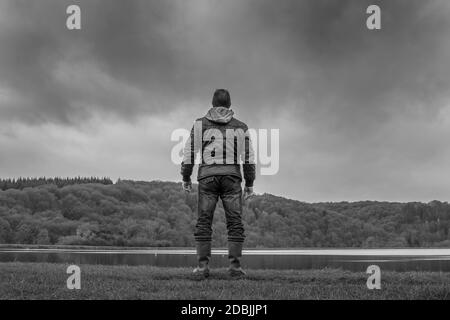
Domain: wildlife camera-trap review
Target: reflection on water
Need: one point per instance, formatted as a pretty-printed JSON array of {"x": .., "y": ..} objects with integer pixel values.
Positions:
[{"x": 356, "y": 260}]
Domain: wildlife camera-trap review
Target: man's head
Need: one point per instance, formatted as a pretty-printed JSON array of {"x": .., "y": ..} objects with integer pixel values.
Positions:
[{"x": 221, "y": 98}]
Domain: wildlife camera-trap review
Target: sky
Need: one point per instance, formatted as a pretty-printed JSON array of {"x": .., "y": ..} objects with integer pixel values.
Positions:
[{"x": 362, "y": 114}]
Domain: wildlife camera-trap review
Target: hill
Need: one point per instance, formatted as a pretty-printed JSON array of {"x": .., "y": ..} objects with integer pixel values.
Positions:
[{"x": 157, "y": 213}]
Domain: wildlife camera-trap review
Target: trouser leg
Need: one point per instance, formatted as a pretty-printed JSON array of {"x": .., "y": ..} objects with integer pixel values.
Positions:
[
  {"x": 203, "y": 253},
  {"x": 207, "y": 200},
  {"x": 235, "y": 254},
  {"x": 232, "y": 203}
]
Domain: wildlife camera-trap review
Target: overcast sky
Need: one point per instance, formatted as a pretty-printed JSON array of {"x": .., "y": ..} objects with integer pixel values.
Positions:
[{"x": 362, "y": 114}]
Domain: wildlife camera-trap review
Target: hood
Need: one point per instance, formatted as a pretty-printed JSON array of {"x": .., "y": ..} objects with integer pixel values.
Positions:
[{"x": 220, "y": 114}]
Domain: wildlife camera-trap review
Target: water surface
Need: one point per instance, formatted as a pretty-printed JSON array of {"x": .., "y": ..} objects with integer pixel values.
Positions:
[{"x": 349, "y": 259}]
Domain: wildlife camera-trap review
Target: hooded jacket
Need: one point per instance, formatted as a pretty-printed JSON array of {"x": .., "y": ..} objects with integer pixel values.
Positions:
[{"x": 223, "y": 143}]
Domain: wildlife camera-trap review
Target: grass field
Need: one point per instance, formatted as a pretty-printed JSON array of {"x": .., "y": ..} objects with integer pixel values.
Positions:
[{"x": 48, "y": 281}]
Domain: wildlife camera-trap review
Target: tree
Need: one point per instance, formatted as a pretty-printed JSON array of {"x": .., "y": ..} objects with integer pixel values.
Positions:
[
  {"x": 5, "y": 231},
  {"x": 42, "y": 237},
  {"x": 27, "y": 233}
]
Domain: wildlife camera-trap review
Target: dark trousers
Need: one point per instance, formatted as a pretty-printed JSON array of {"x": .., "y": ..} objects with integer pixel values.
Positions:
[{"x": 229, "y": 189}]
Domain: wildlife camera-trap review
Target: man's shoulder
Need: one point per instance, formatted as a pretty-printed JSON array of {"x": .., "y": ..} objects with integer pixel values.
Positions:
[
  {"x": 203, "y": 120},
  {"x": 238, "y": 123}
]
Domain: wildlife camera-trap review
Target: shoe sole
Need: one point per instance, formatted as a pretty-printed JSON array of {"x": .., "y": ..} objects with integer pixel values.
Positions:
[
  {"x": 200, "y": 276},
  {"x": 236, "y": 275}
]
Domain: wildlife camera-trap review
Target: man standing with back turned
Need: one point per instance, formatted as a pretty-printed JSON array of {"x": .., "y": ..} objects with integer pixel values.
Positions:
[{"x": 224, "y": 143}]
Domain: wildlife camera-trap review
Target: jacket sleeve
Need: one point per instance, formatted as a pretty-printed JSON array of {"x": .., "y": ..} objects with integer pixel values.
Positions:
[
  {"x": 190, "y": 151},
  {"x": 248, "y": 161}
]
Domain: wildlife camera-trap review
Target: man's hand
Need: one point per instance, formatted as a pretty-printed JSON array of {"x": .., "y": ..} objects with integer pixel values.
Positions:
[
  {"x": 248, "y": 193},
  {"x": 187, "y": 186}
]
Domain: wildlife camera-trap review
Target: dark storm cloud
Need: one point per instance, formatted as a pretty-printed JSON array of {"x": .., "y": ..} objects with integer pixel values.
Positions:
[
  {"x": 359, "y": 109},
  {"x": 314, "y": 55},
  {"x": 113, "y": 44}
]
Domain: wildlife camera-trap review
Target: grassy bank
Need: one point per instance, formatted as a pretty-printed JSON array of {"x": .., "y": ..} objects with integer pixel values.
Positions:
[{"x": 48, "y": 281}]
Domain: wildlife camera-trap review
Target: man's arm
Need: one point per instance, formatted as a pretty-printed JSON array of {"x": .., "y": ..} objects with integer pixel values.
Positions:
[
  {"x": 248, "y": 166},
  {"x": 190, "y": 150}
]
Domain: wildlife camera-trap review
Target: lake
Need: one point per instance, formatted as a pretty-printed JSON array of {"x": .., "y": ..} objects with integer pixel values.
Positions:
[{"x": 348, "y": 259}]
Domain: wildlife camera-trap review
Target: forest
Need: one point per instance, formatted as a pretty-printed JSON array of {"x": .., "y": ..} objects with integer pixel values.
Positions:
[{"x": 96, "y": 211}]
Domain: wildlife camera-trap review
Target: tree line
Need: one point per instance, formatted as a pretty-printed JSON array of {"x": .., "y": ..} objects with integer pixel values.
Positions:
[
  {"x": 156, "y": 213},
  {"x": 21, "y": 183}
]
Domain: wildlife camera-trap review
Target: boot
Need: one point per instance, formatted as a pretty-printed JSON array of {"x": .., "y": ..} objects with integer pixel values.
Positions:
[
  {"x": 203, "y": 255},
  {"x": 234, "y": 255}
]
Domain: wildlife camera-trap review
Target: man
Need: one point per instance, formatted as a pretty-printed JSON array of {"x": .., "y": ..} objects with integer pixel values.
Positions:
[{"x": 223, "y": 143}]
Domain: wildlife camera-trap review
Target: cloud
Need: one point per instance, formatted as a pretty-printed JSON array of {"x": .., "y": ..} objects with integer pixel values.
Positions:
[{"x": 360, "y": 112}]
